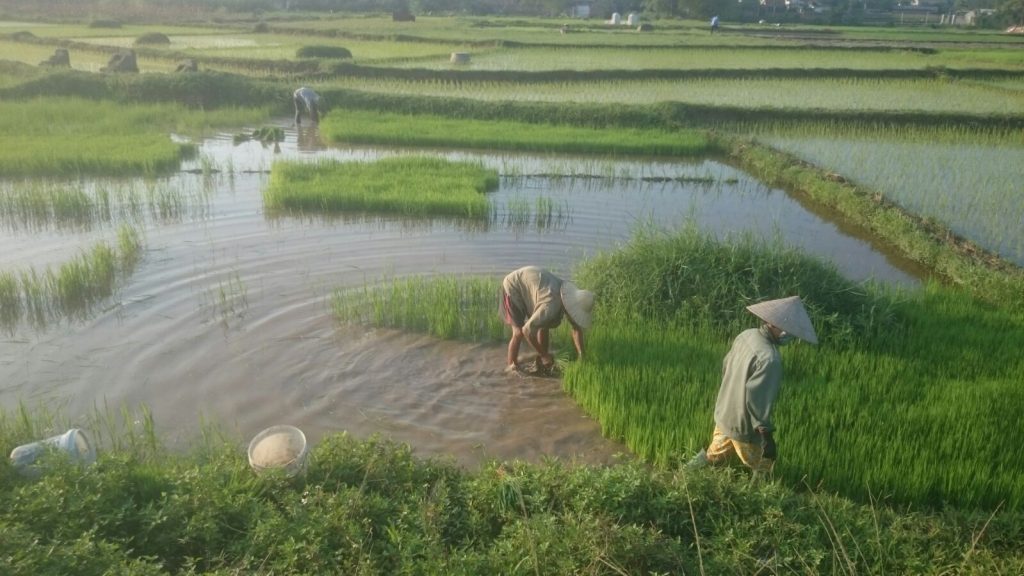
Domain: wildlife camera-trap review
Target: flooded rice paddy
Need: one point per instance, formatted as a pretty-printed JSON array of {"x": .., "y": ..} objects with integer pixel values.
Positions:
[{"x": 226, "y": 318}]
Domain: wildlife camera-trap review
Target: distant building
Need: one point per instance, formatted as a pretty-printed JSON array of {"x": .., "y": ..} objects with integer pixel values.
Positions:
[{"x": 580, "y": 10}]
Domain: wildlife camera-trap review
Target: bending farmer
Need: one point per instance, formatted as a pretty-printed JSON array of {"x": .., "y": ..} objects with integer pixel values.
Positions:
[
  {"x": 751, "y": 377},
  {"x": 533, "y": 302},
  {"x": 308, "y": 100}
]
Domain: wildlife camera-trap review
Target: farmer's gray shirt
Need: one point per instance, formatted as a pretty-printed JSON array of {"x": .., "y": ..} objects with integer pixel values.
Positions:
[
  {"x": 307, "y": 96},
  {"x": 536, "y": 293},
  {"x": 751, "y": 377}
]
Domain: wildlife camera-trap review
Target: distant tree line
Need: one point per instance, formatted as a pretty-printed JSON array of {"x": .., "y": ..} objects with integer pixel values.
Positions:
[{"x": 1008, "y": 12}]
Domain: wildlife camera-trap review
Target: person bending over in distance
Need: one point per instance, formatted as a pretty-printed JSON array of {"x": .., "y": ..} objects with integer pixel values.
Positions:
[
  {"x": 751, "y": 377},
  {"x": 309, "y": 101},
  {"x": 533, "y": 301}
]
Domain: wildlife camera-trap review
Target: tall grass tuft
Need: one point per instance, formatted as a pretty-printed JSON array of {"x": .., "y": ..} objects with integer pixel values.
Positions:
[
  {"x": 73, "y": 288},
  {"x": 688, "y": 278},
  {"x": 413, "y": 186},
  {"x": 370, "y": 506},
  {"x": 446, "y": 306}
]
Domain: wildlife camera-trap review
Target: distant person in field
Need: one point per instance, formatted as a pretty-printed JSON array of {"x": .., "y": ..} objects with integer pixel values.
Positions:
[
  {"x": 309, "y": 101},
  {"x": 751, "y": 377},
  {"x": 714, "y": 24},
  {"x": 533, "y": 301}
]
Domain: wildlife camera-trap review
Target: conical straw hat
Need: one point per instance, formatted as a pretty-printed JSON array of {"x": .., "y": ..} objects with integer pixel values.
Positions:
[
  {"x": 578, "y": 303},
  {"x": 787, "y": 314}
]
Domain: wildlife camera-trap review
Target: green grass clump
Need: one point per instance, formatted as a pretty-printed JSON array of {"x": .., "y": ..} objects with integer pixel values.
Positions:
[
  {"x": 446, "y": 306},
  {"x": 688, "y": 278},
  {"x": 151, "y": 38},
  {"x": 72, "y": 289},
  {"x": 322, "y": 51},
  {"x": 372, "y": 507},
  {"x": 413, "y": 186},
  {"x": 362, "y": 127}
]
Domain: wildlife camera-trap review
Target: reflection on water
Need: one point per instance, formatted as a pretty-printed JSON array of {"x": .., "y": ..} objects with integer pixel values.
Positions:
[{"x": 227, "y": 316}]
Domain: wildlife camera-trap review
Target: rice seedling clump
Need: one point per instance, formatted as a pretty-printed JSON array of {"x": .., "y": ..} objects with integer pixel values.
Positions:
[{"x": 412, "y": 186}]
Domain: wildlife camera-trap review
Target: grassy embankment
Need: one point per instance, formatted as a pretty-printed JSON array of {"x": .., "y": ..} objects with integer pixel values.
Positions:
[{"x": 370, "y": 507}]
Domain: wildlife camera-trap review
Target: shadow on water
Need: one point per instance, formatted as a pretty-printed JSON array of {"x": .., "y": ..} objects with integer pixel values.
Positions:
[{"x": 227, "y": 316}]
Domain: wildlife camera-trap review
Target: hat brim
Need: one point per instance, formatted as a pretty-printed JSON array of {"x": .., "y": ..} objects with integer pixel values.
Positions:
[
  {"x": 787, "y": 314},
  {"x": 577, "y": 304}
]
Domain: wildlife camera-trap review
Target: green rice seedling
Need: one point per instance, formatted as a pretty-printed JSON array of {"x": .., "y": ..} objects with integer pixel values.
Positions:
[
  {"x": 968, "y": 181},
  {"x": 79, "y": 282},
  {"x": 363, "y": 127},
  {"x": 763, "y": 94},
  {"x": 32, "y": 204},
  {"x": 71, "y": 289},
  {"x": 617, "y": 58},
  {"x": 229, "y": 299},
  {"x": 38, "y": 204},
  {"x": 10, "y": 300},
  {"x": 689, "y": 277},
  {"x": 413, "y": 186},
  {"x": 36, "y": 298},
  {"x": 452, "y": 307},
  {"x": 549, "y": 214},
  {"x": 129, "y": 244},
  {"x": 269, "y": 134},
  {"x": 517, "y": 213}
]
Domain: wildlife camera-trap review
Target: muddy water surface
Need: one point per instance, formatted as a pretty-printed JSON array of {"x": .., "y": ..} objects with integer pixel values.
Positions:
[{"x": 227, "y": 317}]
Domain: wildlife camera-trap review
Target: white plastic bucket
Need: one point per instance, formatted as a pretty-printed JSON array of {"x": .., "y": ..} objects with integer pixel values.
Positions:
[
  {"x": 73, "y": 443},
  {"x": 279, "y": 447}
]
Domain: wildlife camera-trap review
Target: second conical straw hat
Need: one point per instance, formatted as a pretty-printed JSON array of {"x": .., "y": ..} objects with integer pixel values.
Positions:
[{"x": 787, "y": 314}]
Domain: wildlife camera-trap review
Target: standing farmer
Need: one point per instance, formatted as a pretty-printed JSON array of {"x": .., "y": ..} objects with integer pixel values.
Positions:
[
  {"x": 714, "y": 24},
  {"x": 751, "y": 377},
  {"x": 306, "y": 99},
  {"x": 534, "y": 301}
]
